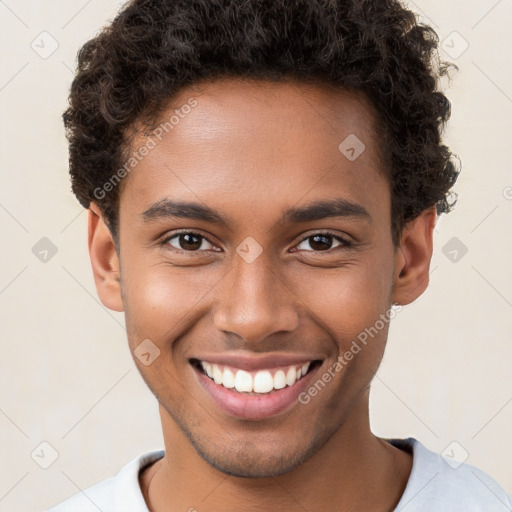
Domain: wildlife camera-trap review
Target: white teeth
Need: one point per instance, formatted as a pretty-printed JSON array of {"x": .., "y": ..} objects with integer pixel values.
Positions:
[
  {"x": 243, "y": 381},
  {"x": 291, "y": 376},
  {"x": 262, "y": 382},
  {"x": 279, "y": 380},
  {"x": 228, "y": 380},
  {"x": 217, "y": 374}
]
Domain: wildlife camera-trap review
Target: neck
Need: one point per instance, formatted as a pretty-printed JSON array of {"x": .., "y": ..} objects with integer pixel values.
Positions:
[{"x": 354, "y": 470}]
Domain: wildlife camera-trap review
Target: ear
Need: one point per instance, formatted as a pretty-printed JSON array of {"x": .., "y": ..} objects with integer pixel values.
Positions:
[
  {"x": 412, "y": 261},
  {"x": 104, "y": 261}
]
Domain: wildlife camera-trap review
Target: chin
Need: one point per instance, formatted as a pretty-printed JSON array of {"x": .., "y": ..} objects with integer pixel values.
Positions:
[
  {"x": 248, "y": 460},
  {"x": 244, "y": 466}
]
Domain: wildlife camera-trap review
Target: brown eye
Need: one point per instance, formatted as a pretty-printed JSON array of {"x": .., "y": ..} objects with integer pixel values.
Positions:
[
  {"x": 188, "y": 241},
  {"x": 323, "y": 242}
]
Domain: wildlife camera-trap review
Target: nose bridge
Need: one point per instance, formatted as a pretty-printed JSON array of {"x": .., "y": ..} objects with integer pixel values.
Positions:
[{"x": 253, "y": 302}]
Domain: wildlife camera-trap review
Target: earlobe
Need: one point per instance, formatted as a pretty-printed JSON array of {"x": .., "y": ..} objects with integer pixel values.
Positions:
[
  {"x": 412, "y": 261},
  {"x": 104, "y": 260}
]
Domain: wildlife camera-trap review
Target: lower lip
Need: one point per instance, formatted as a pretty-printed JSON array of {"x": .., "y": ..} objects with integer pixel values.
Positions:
[{"x": 254, "y": 407}]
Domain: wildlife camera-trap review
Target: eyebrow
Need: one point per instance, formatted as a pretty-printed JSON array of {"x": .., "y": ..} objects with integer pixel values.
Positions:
[
  {"x": 318, "y": 210},
  {"x": 169, "y": 208}
]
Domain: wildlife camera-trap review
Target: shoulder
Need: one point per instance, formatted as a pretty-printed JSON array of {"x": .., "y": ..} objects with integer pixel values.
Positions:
[
  {"x": 115, "y": 494},
  {"x": 440, "y": 481}
]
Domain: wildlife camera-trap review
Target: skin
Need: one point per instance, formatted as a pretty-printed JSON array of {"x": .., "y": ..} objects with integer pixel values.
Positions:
[{"x": 252, "y": 150}]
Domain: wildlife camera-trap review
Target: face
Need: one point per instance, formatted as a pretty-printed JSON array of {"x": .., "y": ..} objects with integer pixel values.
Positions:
[{"x": 252, "y": 244}]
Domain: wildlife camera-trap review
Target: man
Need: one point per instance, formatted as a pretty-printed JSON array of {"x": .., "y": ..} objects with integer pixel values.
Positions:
[{"x": 263, "y": 179}]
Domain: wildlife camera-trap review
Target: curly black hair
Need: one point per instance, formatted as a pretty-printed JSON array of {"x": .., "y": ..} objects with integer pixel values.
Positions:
[{"x": 128, "y": 73}]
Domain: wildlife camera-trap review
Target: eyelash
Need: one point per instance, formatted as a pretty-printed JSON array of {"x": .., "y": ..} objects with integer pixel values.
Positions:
[{"x": 345, "y": 244}]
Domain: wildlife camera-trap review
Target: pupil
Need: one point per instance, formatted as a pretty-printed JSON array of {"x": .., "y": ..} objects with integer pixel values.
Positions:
[
  {"x": 322, "y": 238},
  {"x": 191, "y": 245}
]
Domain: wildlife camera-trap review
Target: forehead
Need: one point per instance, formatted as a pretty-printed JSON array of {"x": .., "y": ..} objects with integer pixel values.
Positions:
[{"x": 247, "y": 144}]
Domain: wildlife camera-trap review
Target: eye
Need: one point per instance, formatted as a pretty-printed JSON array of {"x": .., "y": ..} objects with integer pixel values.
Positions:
[
  {"x": 189, "y": 241},
  {"x": 322, "y": 241}
]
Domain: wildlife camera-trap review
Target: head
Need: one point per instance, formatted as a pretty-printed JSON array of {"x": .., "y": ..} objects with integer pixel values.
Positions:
[{"x": 262, "y": 178}]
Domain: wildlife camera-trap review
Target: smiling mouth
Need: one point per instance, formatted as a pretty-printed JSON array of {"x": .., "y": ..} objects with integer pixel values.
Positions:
[{"x": 262, "y": 382}]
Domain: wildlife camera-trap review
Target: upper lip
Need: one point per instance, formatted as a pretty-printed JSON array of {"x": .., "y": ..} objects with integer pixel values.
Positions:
[{"x": 253, "y": 363}]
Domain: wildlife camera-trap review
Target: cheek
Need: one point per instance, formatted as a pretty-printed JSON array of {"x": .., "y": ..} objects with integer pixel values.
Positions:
[
  {"x": 162, "y": 301},
  {"x": 350, "y": 298},
  {"x": 157, "y": 301},
  {"x": 365, "y": 315}
]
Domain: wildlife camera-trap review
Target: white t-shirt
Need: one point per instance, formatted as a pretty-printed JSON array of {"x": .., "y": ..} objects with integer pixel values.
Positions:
[{"x": 435, "y": 484}]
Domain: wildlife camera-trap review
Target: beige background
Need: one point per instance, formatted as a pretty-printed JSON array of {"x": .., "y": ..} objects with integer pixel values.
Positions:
[{"x": 67, "y": 376}]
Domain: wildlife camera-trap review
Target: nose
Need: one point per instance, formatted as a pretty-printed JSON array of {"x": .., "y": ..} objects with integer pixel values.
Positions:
[{"x": 253, "y": 302}]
